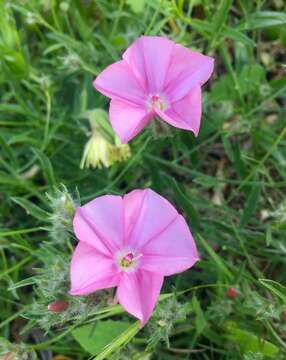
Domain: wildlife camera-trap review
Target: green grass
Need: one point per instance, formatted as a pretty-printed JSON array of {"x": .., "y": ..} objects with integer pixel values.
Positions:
[{"x": 229, "y": 182}]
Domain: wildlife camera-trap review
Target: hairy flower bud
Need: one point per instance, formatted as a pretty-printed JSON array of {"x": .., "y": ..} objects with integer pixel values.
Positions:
[
  {"x": 103, "y": 148},
  {"x": 58, "y": 306},
  {"x": 8, "y": 356},
  {"x": 231, "y": 293},
  {"x": 96, "y": 152}
]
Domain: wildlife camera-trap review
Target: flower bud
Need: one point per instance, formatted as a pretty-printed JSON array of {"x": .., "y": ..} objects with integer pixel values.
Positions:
[
  {"x": 9, "y": 356},
  {"x": 231, "y": 293},
  {"x": 67, "y": 204},
  {"x": 103, "y": 148},
  {"x": 162, "y": 323},
  {"x": 58, "y": 306},
  {"x": 96, "y": 152},
  {"x": 120, "y": 152},
  {"x": 64, "y": 6}
]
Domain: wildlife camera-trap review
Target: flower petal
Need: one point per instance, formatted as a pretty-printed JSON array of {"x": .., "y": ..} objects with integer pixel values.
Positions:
[
  {"x": 185, "y": 113},
  {"x": 172, "y": 251},
  {"x": 149, "y": 58},
  {"x": 118, "y": 82},
  {"x": 138, "y": 293},
  {"x": 127, "y": 119},
  {"x": 147, "y": 214},
  {"x": 91, "y": 271},
  {"x": 99, "y": 223},
  {"x": 187, "y": 69}
]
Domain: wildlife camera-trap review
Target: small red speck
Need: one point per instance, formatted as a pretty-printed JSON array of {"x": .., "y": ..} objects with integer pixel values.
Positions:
[
  {"x": 9, "y": 356},
  {"x": 231, "y": 293},
  {"x": 155, "y": 98},
  {"x": 58, "y": 306},
  {"x": 128, "y": 257}
]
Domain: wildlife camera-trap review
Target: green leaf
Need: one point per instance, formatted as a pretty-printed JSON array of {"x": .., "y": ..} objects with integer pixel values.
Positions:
[
  {"x": 223, "y": 89},
  {"x": 238, "y": 162},
  {"x": 251, "y": 204},
  {"x": 216, "y": 258},
  {"x": 32, "y": 209},
  {"x": 249, "y": 342},
  {"x": 119, "y": 341},
  {"x": 227, "y": 147},
  {"x": 185, "y": 202},
  {"x": 5, "y": 347},
  {"x": 23, "y": 283},
  {"x": 137, "y": 6},
  {"x": 98, "y": 337},
  {"x": 14, "y": 62},
  {"x": 206, "y": 181},
  {"x": 8, "y": 150},
  {"x": 262, "y": 19},
  {"x": 200, "y": 320},
  {"x": 268, "y": 235},
  {"x": 275, "y": 287},
  {"x": 239, "y": 36},
  {"x": 221, "y": 15},
  {"x": 251, "y": 77},
  {"x": 46, "y": 167},
  {"x": 201, "y": 26}
]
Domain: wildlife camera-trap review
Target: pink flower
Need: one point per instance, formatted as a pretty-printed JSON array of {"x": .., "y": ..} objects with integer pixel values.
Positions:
[
  {"x": 131, "y": 242},
  {"x": 155, "y": 77}
]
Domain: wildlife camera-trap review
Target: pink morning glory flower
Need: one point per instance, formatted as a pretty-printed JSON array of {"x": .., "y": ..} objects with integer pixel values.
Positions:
[
  {"x": 131, "y": 243},
  {"x": 155, "y": 77}
]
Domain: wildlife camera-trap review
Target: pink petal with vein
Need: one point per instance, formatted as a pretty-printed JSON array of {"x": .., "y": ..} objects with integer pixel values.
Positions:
[
  {"x": 117, "y": 81},
  {"x": 172, "y": 251},
  {"x": 185, "y": 113},
  {"x": 138, "y": 293},
  {"x": 187, "y": 69},
  {"x": 149, "y": 58},
  {"x": 99, "y": 223},
  {"x": 127, "y": 119},
  {"x": 154, "y": 214},
  {"x": 91, "y": 271}
]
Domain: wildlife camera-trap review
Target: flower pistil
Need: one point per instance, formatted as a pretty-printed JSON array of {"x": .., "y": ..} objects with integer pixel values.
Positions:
[{"x": 127, "y": 260}]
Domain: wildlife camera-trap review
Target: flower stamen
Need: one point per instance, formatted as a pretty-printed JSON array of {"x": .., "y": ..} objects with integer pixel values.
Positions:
[
  {"x": 157, "y": 102},
  {"x": 127, "y": 260}
]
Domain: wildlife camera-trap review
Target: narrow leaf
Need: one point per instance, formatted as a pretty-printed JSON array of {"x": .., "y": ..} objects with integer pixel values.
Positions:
[
  {"x": 250, "y": 206},
  {"x": 119, "y": 341},
  {"x": 185, "y": 203},
  {"x": 221, "y": 15},
  {"x": 32, "y": 209},
  {"x": 200, "y": 320},
  {"x": 46, "y": 167},
  {"x": 97, "y": 338},
  {"x": 263, "y": 19},
  {"x": 275, "y": 287},
  {"x": 249, "y": 342},
  {"x": 216, "y": 258}
]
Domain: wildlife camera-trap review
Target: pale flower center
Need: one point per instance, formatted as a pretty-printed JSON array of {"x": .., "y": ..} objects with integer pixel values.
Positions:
[
  {"x": 157, "y": 101},
  {"x": 127, "y": 260}
]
